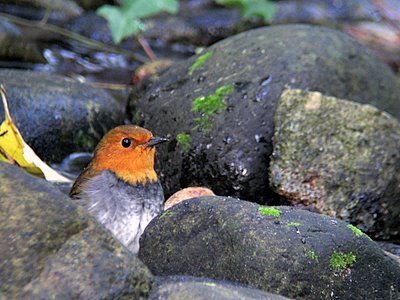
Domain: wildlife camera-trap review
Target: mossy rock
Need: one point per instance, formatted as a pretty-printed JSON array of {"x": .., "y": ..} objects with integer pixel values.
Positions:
[
  {"x": 187, "y": 287},
  {"x": 51, "y": 249},
  {"x": 339, "y": 158},
  {"x": 299, "y": 254},
  {"x": 57, "y": 115},
  {"x": 231, "y": 156}
]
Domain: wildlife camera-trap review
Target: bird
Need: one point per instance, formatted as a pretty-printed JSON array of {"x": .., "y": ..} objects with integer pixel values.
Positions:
[{"x": 120, "y": 187}]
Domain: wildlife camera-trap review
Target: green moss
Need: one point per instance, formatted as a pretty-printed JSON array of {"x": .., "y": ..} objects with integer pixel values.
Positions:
[
  {"x": 199, "y": 62},
  {"x": 184, "y": 140},
  {"x": 224, "y": 90},
  {"x": 166, "y": 213},
  {"x": 340, "y": 261},
  {"x": 357, "y": 231},
  {"x": 204, "y": 123},
  {"x": 294, "y": 224},
  {"x": 311, "y": 254},
  {"x": 137, "y": 117},
  {"x": 270, "y": 211},
  {"x": 209, "y": 105}
]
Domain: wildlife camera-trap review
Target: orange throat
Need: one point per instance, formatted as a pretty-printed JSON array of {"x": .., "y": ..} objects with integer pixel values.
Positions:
[{"x": 134, "y": 169}]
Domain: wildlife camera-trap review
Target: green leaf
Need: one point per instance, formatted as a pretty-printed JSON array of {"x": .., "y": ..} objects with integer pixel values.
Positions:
[
  {"x": 120, "y": 24},
  {"x": 126, "y": 19},
  {"x": 147, "y": 8},
  {"x": 265, "y": 9},
  {"x": 260, "y": 8}
]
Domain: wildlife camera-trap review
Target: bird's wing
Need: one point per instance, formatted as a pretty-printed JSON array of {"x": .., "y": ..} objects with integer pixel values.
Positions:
[{"x": 82, "y": 179}]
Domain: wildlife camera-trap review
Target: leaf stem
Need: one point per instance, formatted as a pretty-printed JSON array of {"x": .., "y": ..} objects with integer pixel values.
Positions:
[{"x": 146, "y": 47}]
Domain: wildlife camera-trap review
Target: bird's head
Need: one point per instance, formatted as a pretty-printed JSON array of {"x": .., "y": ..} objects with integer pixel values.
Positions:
[{"x": 128, "y": 151}]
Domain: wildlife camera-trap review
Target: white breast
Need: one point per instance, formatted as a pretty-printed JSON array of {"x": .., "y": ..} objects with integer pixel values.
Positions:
[{"x": 123, "y": 209}]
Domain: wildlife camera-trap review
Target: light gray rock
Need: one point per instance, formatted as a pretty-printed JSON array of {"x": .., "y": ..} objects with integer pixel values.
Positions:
[{"x": 340, "y": 158}]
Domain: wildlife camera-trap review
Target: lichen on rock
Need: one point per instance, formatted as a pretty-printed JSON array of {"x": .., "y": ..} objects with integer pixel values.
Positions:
[{"x": 340, "y": 158}]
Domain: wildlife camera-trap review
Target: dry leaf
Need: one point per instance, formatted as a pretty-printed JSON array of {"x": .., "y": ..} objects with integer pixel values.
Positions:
[
  {"x": 187, "y": 193},
  {"x": 14, "y": 150}
]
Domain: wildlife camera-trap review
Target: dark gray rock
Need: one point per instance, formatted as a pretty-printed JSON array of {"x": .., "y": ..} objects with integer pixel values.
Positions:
[
  {"x": 389, "y": 247},
  {"x": 67, "y": 7},
  {"x": 57, "y": 115},
  {"x": 186, "y": 287},
  {"x": 298, "y": 254},
  {"x": 197, "y": 23},
  {"x": 14, "y": 46},
  {"x": 325, "y": 12},
  {"x": 347, "y": 166},
  {"x": 232, "y": 157},
  {"x": 51, "y": 249}
]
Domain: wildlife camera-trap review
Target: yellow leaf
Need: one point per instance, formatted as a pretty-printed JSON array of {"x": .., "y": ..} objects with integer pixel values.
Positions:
[{"x": 13, "y": 149}]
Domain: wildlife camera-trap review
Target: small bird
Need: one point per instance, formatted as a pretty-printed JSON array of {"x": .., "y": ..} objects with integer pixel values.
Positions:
[{"x": 119, "y": 187}]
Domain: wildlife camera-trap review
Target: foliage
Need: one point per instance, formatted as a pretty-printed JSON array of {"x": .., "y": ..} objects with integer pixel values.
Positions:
[
  {"x": 14, "y": 150},
  {"x": 126, "y": 19},
  {"x": 210, "y": 105},
  {"x": 207, "y": 106},
  {"x": 184, "y": 140},
  {"x": 311, "y": 254},
  {"x": 357, "y": 231},
  {"x": 294, "y": 224},
  {"x": 199, "y": 62},
  {"x": 270, "y": 211},
  {"x": 265, "y": 9},
  {"x": 340, "y": 261},
  {"x": 166, "y": 213}
]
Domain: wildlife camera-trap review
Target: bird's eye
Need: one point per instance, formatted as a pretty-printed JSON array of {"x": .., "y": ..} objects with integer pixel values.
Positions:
[{"x": 126, "y": 142}]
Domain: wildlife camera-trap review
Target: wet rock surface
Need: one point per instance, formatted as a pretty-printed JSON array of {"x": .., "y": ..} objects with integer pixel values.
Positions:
[
  {"x": 52, "y": 250},
  {"x": 15, "y": 47},
  {"x": 197, "y": 23},
  {"x": 232, "y": 157},
  {"x": 282, "y": 250},
  {"x": 346, "y": 166},
  {"x": 392, "y": 248},
  {"x": 186, "y": 287},
  {"x": 57, "y": 115},
  {"x": 67, "y": 7}
]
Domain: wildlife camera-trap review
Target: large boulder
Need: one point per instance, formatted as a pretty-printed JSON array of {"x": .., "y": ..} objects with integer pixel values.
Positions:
[
  {"x": 187, "y": 287},
  {"x": 282, "y": 250},
  {"x": 232, "y": 129},
  {"x": 347, "y": 166},
  {"x": 57, "y": 115},
  {"x": 51, "y": 249}
]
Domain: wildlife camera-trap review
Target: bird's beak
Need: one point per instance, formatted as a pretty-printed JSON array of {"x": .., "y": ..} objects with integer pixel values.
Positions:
[{"x": 154, "y": 141}]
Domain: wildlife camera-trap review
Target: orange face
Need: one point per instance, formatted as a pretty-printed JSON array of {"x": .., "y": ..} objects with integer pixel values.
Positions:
[{"x": 128, "y": 151}]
